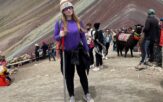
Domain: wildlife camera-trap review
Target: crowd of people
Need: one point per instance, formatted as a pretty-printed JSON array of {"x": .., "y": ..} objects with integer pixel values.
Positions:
[
  {"x": 46, "y": 50},
  {"x": 99, "y": 42},
  {"x": 72, "y": 40}
]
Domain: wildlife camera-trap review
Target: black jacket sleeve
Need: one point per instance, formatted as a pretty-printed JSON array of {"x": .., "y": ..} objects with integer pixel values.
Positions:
[{"x": 147, "y": 26}]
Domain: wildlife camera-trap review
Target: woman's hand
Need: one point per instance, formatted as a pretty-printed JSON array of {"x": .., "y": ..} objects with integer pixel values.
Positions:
[{"x": 62, "y": 33}]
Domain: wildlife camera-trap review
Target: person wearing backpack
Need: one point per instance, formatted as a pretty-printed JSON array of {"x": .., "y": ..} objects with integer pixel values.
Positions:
[
  {"x": 90, "y": 43},
  {"x": 99, "y": 44},
  {"x": 72, "y": 33}
]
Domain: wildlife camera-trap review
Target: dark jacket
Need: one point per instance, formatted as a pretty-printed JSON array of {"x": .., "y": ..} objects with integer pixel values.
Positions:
[
  {"x": 151, "y": 29},
  {"x": 99, "y": 36},
  {"x": 37, "y": 50}
]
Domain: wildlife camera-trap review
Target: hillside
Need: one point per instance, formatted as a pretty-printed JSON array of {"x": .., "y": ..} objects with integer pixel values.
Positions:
[{"x": 24, "y": 23}]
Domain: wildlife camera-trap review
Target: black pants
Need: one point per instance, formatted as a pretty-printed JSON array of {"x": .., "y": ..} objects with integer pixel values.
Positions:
[
  {"x": 107, "y": 45},
  {"x": 151, "y": 51},
  {"x": 51, "y": 54},
  {"x": 91, "y": 56},
  {"x": 157, "y": 55},
  {"x": 37, "y": 56},
  {"x": 44, "y": 54},
  {"x": 69, "y": 74},
  {"x": 99, "y": 57},
  {"x": 7, "y": 76}
]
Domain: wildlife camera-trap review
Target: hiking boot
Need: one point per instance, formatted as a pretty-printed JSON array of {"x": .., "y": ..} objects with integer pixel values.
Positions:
[
  {"x": 72, "y": 99},
  {"x": 88, "y": 98},
  {"x": 96, "y": 69}
]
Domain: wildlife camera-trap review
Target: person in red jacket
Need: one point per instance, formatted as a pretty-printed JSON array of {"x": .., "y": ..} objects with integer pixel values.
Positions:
[
  {"x": 4, "y": 63},
  {"x": 4, "y": 75}
]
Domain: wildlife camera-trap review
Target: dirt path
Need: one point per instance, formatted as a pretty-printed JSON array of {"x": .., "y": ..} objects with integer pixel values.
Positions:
[{"x": 116, "y": 82}]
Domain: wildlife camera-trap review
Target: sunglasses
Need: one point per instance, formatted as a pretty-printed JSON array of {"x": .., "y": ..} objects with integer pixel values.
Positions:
[{"x": 68, "y": 8}]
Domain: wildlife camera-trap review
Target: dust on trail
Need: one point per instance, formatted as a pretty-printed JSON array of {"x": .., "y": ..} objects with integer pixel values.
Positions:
[{"x": 118, "y": 81}]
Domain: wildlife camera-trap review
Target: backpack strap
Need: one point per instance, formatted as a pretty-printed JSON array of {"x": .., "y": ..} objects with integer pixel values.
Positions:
[
  {"x": 58, "y": 43},
  {"x": 92, "y": 32},
  {"x": 59, "y": 22}
]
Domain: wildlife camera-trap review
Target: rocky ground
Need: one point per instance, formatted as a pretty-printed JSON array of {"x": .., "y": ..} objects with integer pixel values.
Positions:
[{"x": 118, "y": 81}]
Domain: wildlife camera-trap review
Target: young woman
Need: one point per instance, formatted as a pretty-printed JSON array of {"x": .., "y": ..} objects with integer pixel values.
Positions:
[
  {"x": 71, "y": 31},
  {"x": 90, "y": 42},
  {"x": 108, "y": 38}
]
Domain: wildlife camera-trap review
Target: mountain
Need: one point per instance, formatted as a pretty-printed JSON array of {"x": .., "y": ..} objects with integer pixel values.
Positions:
[{"x": 26, "y": 22}]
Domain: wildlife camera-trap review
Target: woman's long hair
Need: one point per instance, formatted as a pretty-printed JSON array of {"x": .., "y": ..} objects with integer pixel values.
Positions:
[{"x": 75, "y": 18}]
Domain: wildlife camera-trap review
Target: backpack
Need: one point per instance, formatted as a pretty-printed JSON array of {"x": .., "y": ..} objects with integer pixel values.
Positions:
[
  {"x": 99, "y": 41},
  {"x": 98, "y": 35},
  {"x": 91, "y": 45}
]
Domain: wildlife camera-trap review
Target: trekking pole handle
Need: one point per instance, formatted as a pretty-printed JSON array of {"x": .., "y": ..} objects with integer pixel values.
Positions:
[{"x": 62, "y": 42}]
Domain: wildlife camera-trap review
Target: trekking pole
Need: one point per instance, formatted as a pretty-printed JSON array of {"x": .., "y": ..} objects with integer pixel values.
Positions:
[
  {"x": 162, "y": 44},
  {"x": 63, "y": 64}
]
